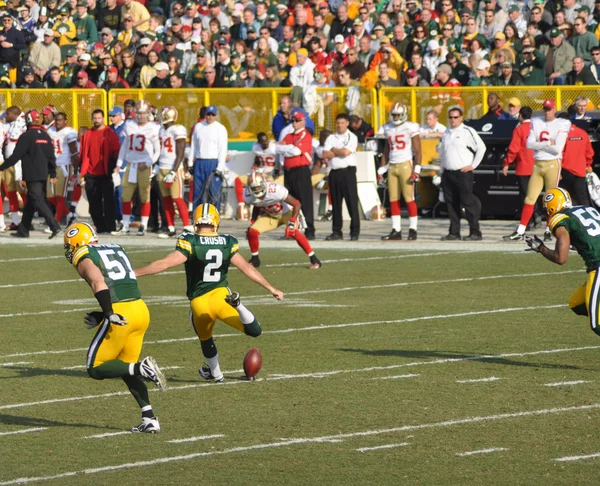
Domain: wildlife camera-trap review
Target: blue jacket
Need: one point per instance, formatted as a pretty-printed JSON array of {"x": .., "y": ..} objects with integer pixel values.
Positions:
[{"x": 280, "y": 122}]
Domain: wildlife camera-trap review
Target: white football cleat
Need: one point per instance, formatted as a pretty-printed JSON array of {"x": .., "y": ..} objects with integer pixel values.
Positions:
[
  {"x": 148, "y": 426},
  {"x": 149, "y": 369}
]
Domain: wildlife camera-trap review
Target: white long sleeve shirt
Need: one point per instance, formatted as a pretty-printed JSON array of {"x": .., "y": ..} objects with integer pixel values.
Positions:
[
  {"x": 209, "y": 141},
  {"x": 548, "y": 139},
  {"x": 460, "y": 147}
]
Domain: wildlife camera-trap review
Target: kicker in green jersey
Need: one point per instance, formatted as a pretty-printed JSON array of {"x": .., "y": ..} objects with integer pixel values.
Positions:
[
  {"x": 583, "y": 225},
  {"x": 208, "y": 257},
  {"x": 116, "y": 269}
]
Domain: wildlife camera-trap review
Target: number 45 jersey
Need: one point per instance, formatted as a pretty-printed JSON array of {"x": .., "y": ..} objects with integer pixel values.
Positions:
[
  {"x": 208, "y": 257},
  {"x": 583, "y": 225},
  {"x": 116, "y": 269}
]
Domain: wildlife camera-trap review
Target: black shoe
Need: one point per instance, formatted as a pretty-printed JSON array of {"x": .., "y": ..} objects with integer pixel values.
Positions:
[
  {"x": 54, "y": 233},
  {"x": 254, "y": 261},
  {"x": 314, "y": 263},
  {"x": 473, "y": 237},
  {"x": 450, "y": 237},
  {"x": 394, "y": 235},
  {"x": 18, "y": 234},
  {"x": 515, "y": 236},
  {"x": 354, "y": 238},
  {"x": 412, "y": 234},
  {"x": 334, "y": 237},
  {"x": 13, "y": 227},
  {"x": 547, "y": 236}
]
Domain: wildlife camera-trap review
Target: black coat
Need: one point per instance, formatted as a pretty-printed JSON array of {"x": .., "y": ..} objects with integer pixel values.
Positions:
[{"x": 34, "y": 150}]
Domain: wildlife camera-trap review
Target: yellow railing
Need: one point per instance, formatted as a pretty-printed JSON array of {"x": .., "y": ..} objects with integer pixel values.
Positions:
[
  {"x": 78, "y": 104},
  {"x": 245, "y": 112}
]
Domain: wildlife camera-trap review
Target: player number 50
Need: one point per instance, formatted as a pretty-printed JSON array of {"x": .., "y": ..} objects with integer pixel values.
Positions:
[{"x": 590, "y": 218}]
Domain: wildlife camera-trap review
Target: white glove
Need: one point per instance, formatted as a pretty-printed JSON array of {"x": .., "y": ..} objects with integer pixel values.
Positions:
[
  {"x": 383, "y": 170},
  {"x": 436, "y": 180},
  {"x": 170, "y": 178}
]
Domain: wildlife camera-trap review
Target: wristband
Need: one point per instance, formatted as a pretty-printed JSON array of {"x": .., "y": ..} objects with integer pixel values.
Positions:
[
  {"x": 293, "y": 220},
  {"x": 103, "y": 298}
]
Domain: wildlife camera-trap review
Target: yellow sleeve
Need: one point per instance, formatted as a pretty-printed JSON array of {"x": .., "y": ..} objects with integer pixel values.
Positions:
[
  {"x": 555, "y": 219},
  {"x": 80, "y": 254}
]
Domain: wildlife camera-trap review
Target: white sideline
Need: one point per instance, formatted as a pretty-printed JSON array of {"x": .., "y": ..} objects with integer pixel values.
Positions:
[
  {"x": 481, "y": 451},
  {"x": 195, "y": 439},
  {"x": 567, "y": 383},
  {"x": 16, "y": 363},
  {"x": 480, "y": 380},
  {"x": 24, "y": 431},
  {"x": 316, "y": 291},
  {"x": 109, "y": 434},
  {"x": 387, "y": 446},
  {"x": 320, "y": 374},
  {"x": 293, "y": 442},
  {"x": 577, "y": 458},
  {"x": 395, "y": 377}
]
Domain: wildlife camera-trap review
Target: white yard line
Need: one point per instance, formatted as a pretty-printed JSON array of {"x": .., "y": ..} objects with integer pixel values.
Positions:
[
  {"x": 577, "y": 458},
  {"x": 396, "y": 377},
  {"x": 387, "y": 446},
  {"x": 567, "y": 383},
  {"x": 16, "y": 363},
  {"x": 109, "y": 434},
  {"x": 24, "y": 431},
  {"x": 196, "y": 439},
  {"x": 295, "y": 442},
  {"x": 53, "y": 257},
  {"x": 480, "y": 380},
  {"x": 319, "y": 374},
  {"x": 481, "y": 451}
]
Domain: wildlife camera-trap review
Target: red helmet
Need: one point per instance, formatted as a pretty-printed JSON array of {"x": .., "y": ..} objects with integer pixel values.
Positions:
[{"x": 32, "y": 117}]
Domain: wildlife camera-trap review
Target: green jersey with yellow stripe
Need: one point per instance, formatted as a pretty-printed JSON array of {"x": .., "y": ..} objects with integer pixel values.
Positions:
[
  {"x": 208, "y": 257},
  {"x": 583, "y": 225},
  {"x": 116, "y": 269}
]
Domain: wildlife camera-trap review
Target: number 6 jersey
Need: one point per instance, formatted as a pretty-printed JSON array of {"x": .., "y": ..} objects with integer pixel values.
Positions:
[
  {"x": 399, "y": 138},
  {"x": 583, "y": 225},
  {"x": 207, "y": 262},
  {"x": 116, "y": 269}
]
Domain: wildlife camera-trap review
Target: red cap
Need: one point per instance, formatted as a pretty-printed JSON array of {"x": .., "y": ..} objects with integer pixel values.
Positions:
[
  {"x": 48, "y": 110},
  {"x": 187, "y": 28},
  {"x": 411, "y": 73},
  {"x": 98, "y": 45},
  {"x": 550, "y": 104},
  {"x": 298, "y": 115},
  {"x": 113, "y": 69},
  {"x": 82, "y": 74}
]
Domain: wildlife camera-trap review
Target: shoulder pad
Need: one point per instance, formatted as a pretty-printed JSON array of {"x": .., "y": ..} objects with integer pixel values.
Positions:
[{"x": 555, "y": 219}]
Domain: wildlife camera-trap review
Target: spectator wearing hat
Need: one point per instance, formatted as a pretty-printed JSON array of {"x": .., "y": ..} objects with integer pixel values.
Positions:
[
  {"x": 107, "y": 38},
  {"x": 161, "y": 80},
  {"x": 191, "y": 12},
  {"x": 42, "y": 25},
  {"x": 500, "y": 45},
  {"x": 515, "y": 16},
  {"x": 507, "y": 76},
  {"x": 44, "y": 54},
  {"x": 513, "y": 111},
  {"x": 353, "y": 40},
  {"x": 113, "y": 80},
  {"x": 583, "y": 41},
  {"x": 249, "y": 21},
  {"x": 275, "y": 27},
  {"x": 29, "y": 81},
  {"x": 481, "y": 74},
  {"x": 443, "y": 77},
  {"x": 189, "y": 58},
  {"x": 67, "y": 68},
  {"x": 170, "y": 50},
  {"x": 216, "y": 12},
  {"x": 55, "y": 80},
  {"x": 109, "y": 16},
  {"x": 138, "y": 12},
  {"x": 141, "y": 53},
  {"x": 84, "y": 24},
  {"x": 83, "y": 82},
  {"x": 532, "y": 67},
  {"x": 302, "y": 73},
  {"x": 433, "y": 58},
  {"x": 208, "y": 150},
  {"x": 354, "y": 66},
  {"x": 196, "y": 74},
  {"x": 64, "y": 27},
  {"x": 390, "y": 55},
  {"x": 127, "y": 35},
  {"x": 186, "y": 40},
  {"x": 580, "y": 74},
  {"x": 11, "y": 41},
  {"x": 559, "y": 57}
]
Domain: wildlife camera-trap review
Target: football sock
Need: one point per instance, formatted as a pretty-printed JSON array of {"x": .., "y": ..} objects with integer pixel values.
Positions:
[
  {"x": 252, "y": 329},
  {"x": 245, "y": 315},
  {"x": 253, "y": 240},
  {"x": 213, "y": 364},
  {"x": 138, "y": 389},
  {"x": 147, "y": 411},
  {"x": 145, "y": 221},
  {"x": 209, "y": 349},
  {"x": 303, "y": 242},
  {"x": 14, "y": 216},
  {"x": 110, "y": 369},
  {"x": 126, "y": 215},
  {"x": 239, "y": 190},
  {"x": 169, "y": 210},
  {"x": 396, "y": 222},
  {"x": 183, "y": 211},
  {"x": 61, "y": 208},
  {"x": 526, "y": 214},
  {"x": 413, "y": 221},
  {"x": 145, "y": 210},
  {"x": 412, "y": 209},
  {"x": 521, "y": 229},
  {"x": 14, "y": 203},
  {"x": 2, "y": 223}
]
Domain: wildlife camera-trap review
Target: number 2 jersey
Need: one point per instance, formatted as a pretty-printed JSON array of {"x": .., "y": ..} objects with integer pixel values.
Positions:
[
  {"x": 583, "y": 225},
  {"x": 399, "y": 138},
  {"x": 208, "y": 257},
  {"x": 116, "y": 269}
]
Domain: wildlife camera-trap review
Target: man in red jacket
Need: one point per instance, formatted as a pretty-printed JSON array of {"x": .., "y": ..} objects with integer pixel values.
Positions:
[
  {"x": 577, "y": 161},
  {"x": 98, "y": 153},
  {"x": 523, "y": 160},
  {"x": 296, "y": 149}
]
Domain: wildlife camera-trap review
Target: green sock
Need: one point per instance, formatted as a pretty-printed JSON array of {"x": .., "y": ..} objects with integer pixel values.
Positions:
[
  {"x": 253, "y": 329},
  {"x": 115, "y": 368},
  {"x": 138, "y": 389}
]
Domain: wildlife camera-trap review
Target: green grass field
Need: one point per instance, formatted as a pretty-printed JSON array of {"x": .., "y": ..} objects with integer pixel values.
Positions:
[{"x": 383, "y": 367}]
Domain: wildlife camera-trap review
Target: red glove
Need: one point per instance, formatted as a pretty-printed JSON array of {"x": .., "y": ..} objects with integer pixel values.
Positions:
[
  {"x": 290, "y": 231},
  {"x": 415, "y": 177}
]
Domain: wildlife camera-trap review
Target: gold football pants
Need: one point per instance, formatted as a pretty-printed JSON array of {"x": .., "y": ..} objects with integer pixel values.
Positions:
[
  {"x": 209, "y": 307},
  {"x": 585, "y": 301},
  {"x": 399, "y": 182},
  {"x": 545, "y": 175}
]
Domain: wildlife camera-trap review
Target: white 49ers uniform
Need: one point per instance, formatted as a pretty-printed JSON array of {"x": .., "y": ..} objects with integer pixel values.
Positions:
[
  {"x": 166, "y": 162},
  {"x": 547, "y": 140},
  {"x": 141, "y": 145},
  {"x": 400, "y": 158},
  {"x": 277, "y": 211},
  {"x": 61, "y": 140},
  {"x": 266, "y": 157},
  {"x": 14, "y": 174}
]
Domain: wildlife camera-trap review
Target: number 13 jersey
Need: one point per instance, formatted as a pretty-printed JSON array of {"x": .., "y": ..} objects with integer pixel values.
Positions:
[
  {"x": 208, "y": 257},
  {"x": 116, "y": 269},
  {"x": 399, "y": 138}
]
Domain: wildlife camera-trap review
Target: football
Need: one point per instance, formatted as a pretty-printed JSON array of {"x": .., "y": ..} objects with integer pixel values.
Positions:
[{"x": 252, "y": 363}]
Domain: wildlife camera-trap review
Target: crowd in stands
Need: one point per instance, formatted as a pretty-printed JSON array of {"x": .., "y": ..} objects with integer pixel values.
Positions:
[{"x": 304, "y": 43}]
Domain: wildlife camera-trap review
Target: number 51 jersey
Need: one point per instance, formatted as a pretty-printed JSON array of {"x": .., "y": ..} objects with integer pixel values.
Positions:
[
  {"x": 116, "y": 269},
  {"x": 208, "y": 257}
]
